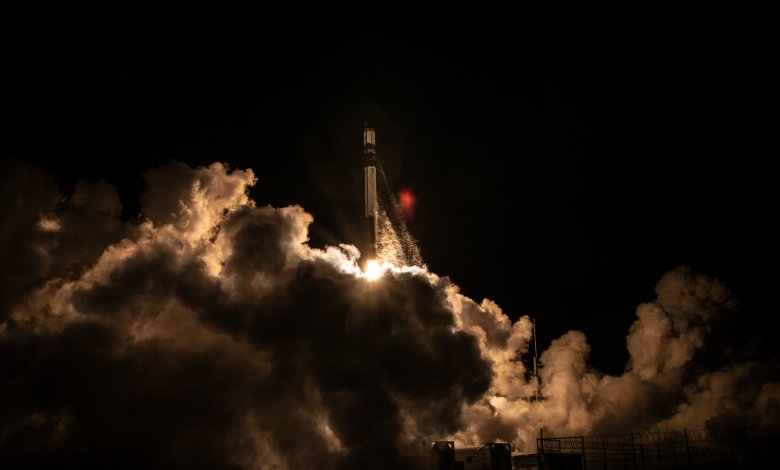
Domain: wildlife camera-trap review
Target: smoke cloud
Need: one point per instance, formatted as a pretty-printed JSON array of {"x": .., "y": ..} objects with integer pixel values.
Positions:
[{"x": 209, "y": 333}]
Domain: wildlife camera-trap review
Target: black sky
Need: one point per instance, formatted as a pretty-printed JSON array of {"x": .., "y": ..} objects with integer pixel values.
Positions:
[{"x": 622, "y": 142}]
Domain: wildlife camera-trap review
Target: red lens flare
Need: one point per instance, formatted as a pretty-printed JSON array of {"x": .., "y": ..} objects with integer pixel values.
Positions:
[{"x": 406, "y": 203}]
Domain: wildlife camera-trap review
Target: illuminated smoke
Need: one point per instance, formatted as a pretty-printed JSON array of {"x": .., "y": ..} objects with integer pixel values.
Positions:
[
  {"x": 663, "y": 386},
  {"x": 209, "y": 334}
]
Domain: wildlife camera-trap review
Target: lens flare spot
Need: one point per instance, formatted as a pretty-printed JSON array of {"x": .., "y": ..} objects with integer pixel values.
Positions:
[
  {"x": 373, "y": 270},
  {"x": 406, "y": 203},
  {"x": 406, "y": 197}
]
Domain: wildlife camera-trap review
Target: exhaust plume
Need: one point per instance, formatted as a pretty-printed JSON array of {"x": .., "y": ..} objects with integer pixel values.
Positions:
[{"x": 210, "y": 334}]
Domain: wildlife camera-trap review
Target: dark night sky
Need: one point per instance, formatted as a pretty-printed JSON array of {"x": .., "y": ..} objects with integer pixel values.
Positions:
[{"x": 621, "y": 143}]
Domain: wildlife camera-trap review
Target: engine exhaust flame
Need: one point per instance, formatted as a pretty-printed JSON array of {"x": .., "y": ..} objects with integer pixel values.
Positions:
[{"x": 373, "y": 270}]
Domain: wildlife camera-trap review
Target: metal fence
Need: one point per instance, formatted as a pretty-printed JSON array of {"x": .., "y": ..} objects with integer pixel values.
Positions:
[{"x": 741, "y": 448}]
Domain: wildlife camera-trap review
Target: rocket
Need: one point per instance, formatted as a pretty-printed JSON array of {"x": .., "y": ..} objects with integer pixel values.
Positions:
[{"x": 369, "y": 175}]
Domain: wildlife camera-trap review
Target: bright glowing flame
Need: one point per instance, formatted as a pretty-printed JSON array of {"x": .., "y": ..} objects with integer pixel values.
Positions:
[{"x": 373, "y": 270}]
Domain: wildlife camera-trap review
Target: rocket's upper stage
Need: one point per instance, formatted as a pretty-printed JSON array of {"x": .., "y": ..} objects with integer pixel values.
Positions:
[{"x": 369, "y": 140}]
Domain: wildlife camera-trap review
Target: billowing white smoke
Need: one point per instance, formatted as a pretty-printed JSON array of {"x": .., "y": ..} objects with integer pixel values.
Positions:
[
  {"x": 662, "y": 387},
  {"x": 211, "y": 334}
]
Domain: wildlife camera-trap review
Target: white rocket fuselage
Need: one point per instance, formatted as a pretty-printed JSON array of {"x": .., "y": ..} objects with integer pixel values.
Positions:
[{"x": 369, "y": 184}]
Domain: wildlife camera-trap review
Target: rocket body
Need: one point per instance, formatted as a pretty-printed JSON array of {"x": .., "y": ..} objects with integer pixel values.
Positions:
[{"x": 369, "y": 184}]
